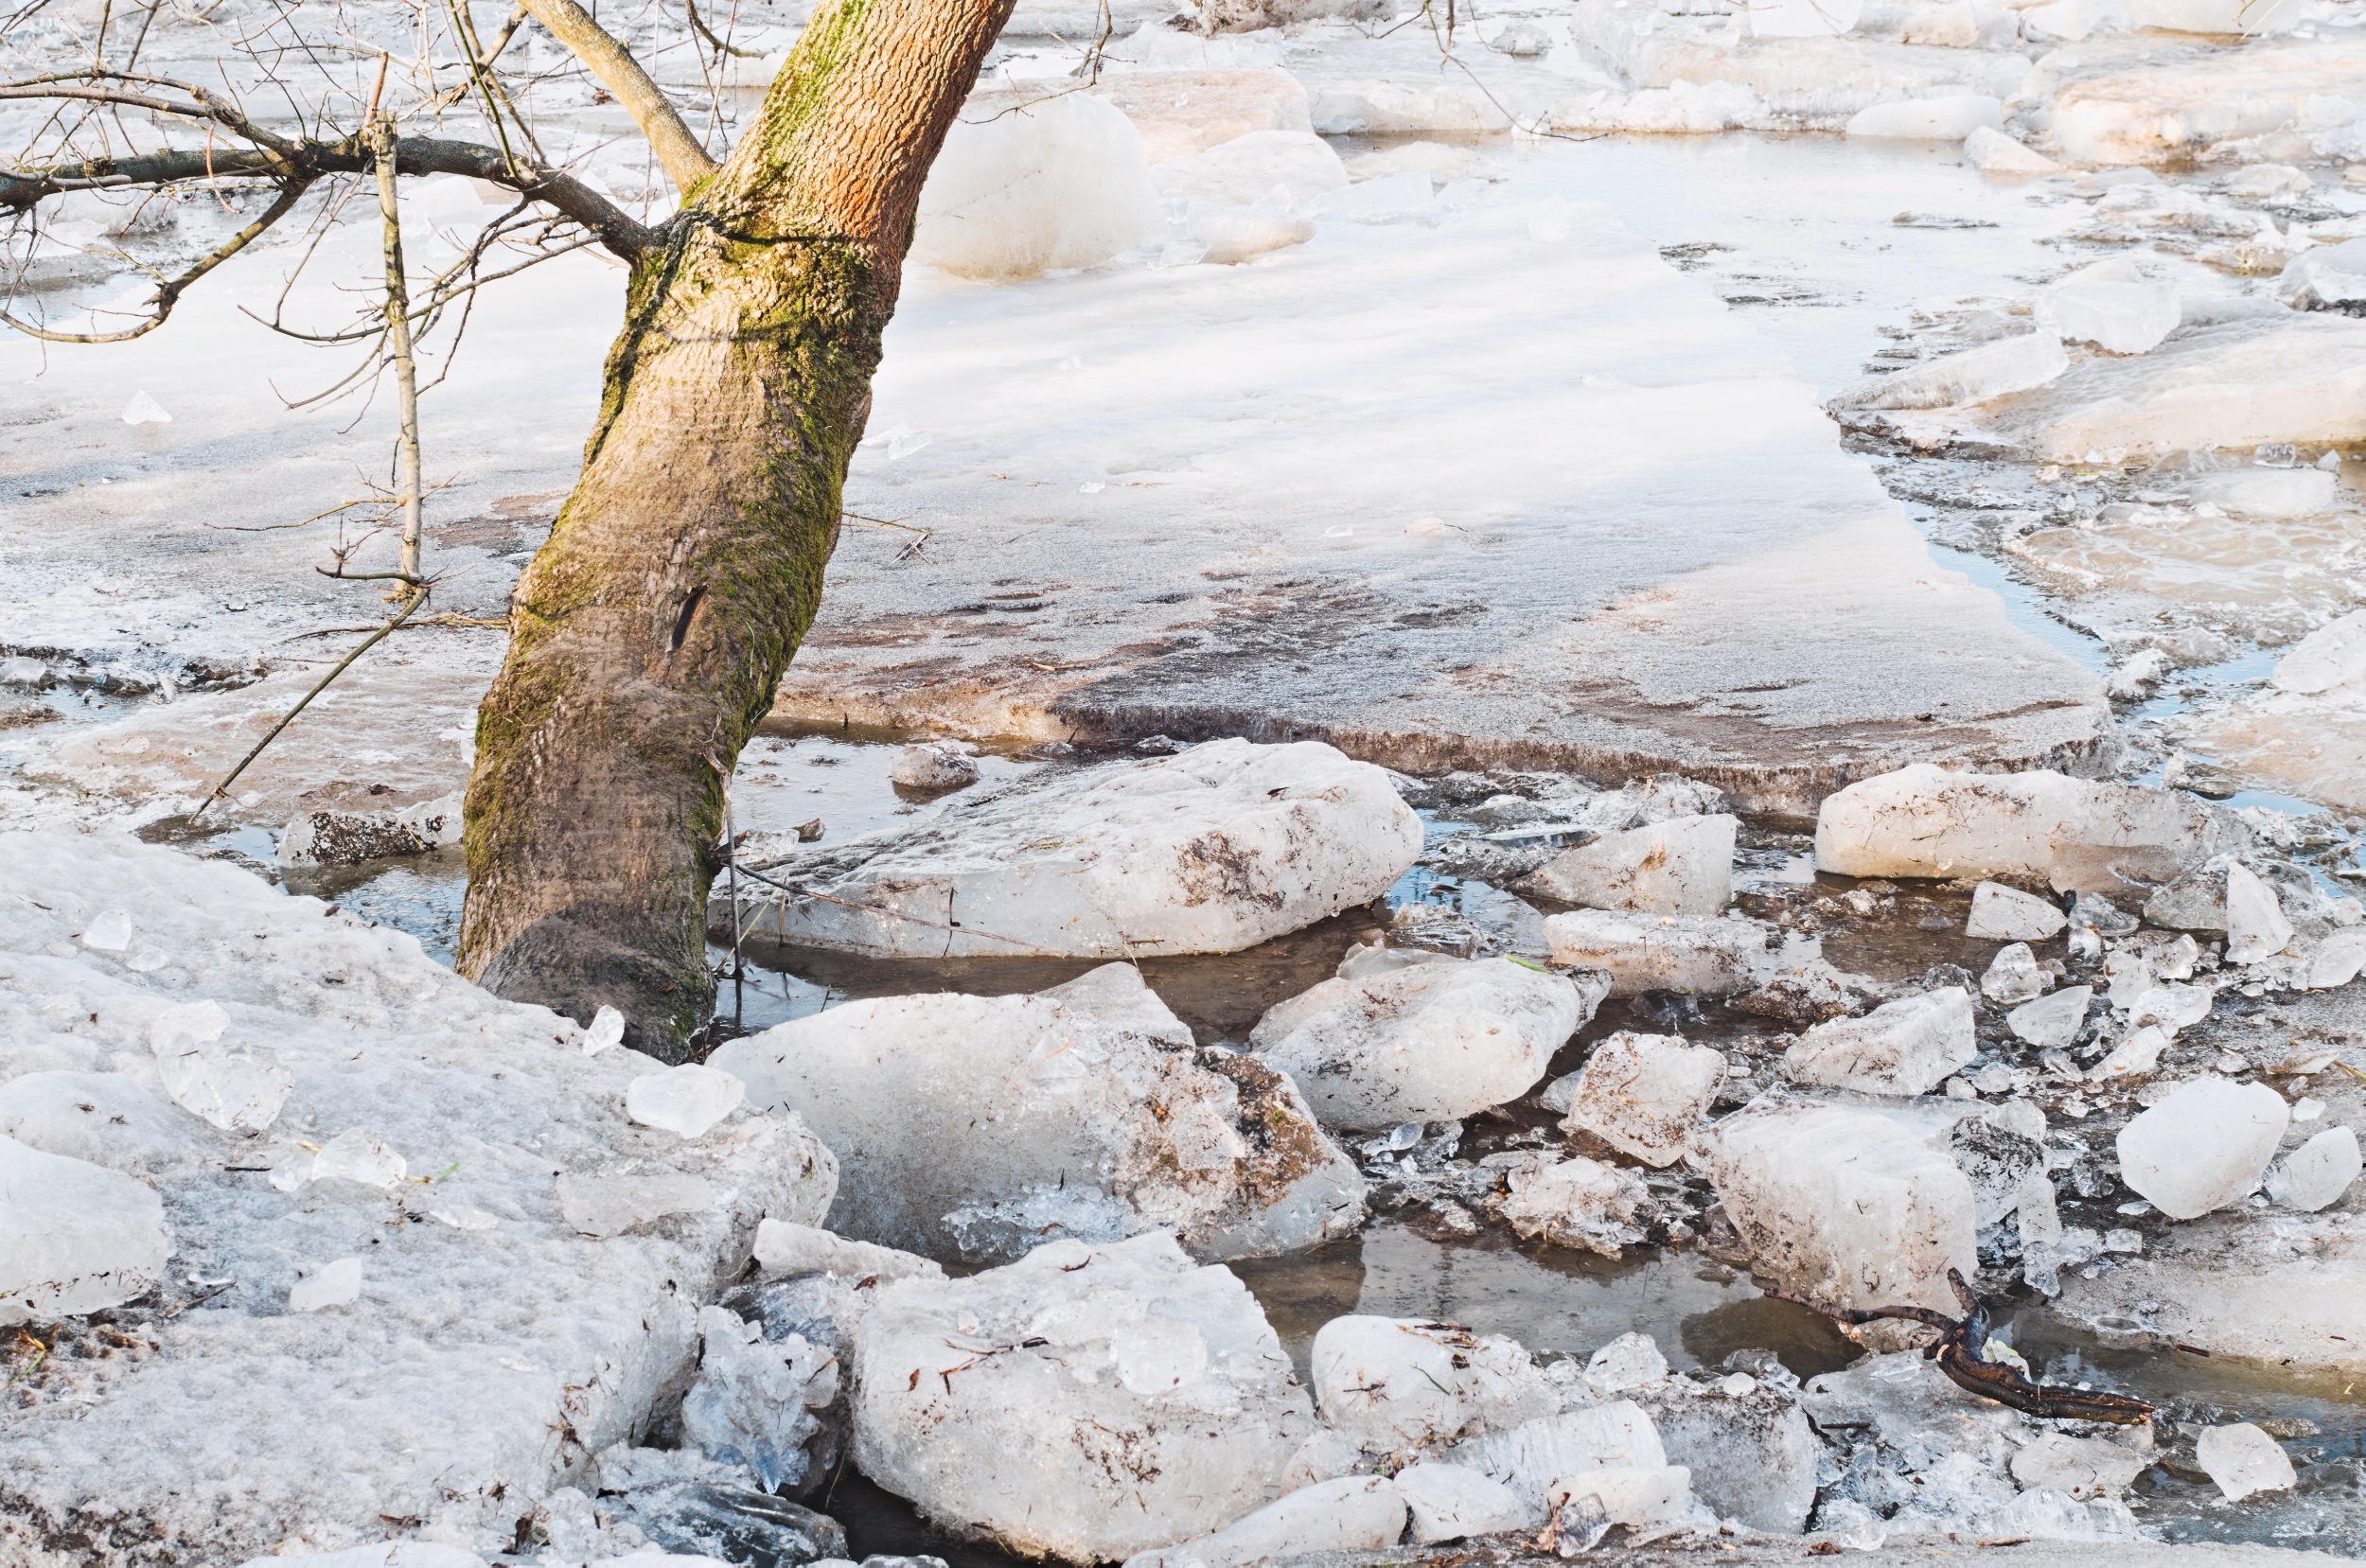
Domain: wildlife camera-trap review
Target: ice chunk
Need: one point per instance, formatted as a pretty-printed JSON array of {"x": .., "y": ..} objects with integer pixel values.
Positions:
[
  {"x": 1232, "y": 235},
  {"x": 1940, "y": 119},
  {"x": 1992, "y": 152},
  {"x": 684, "y": 1100},
  {"x": 1577, "y": 1203},
  {"x": 1001, "y": 1402},
  {"x": 1641, "y": 952},
  {"x": 230, "y": 1089},
  {"x": 2255, "y": 926},
  {"x": 1631, "y": 1361},
  {"x": 2138, "y": 1052},
  {"x": 2013, "y": 976},
  {"x": 2120, "y": 318},
  {"x": 1352, "y": 1513},
  {"x": 1209, "y": 851},
  {"x": 356, "y": 1156},
  {"x": 934, "y": 766},
  {"x": 2277, "y": 494},
  {"x": 724, "y": 1522},
  {"x": 758, "y": 1401},
  {"x": 1969, "y": 376},
  {"x": 785, "y": 1248},
  {"x": 2243, "y": 1459},
  {"x": 2328, "y": 659},
  {"x": 2082, "y": 1468},
  {"x": 614, "y": 1205},
  {"x": 1395, "y": 1383},
  {"x": 607, "y": 1029},
  {"x": 2000, "y": 913},
  {"x": 384, "y": 1553},
  {"x": 972, "y": 1127},
  {"x": 2318, "y": 1172},
  {"x": 2330, "y": 277},
  {"x": 1644, "y": 1094},
  {"x": 2338, "y": 959},
  {"x": 1629, "y": 1495},
  {"x": 350, "y": 837},
  {"x": 1056, "y": 182},
  {"x": 1683, "y": 866},
  {"x": 2079, "y": 834},
  {"x": 144, "y": 410},
  {"x": 1246, "y": 170},
  {"x": 109, "y": 1118},
  {"x": 1901, "y": 1048},
  {"x": 1845, "y": 1206},
  {"x": 73, "y": 1237},
  {"x": 110, "y": 932},
  {"x": 1450, "y": 1502},
  {"x": 1530, "y": 1457},
  {"x": 1803, "y": 18},
  {"x": 1432, "y": 1043},
  {"x": 1751, "y": 1451},
  {"x": 337, "y": 1284},
  {"x": 2203, "y": 1146},
  {"x": 2172, "y": 1007}
]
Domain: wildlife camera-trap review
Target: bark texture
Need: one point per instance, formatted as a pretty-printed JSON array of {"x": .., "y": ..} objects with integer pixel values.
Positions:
[{"x": 648, "y": 635}]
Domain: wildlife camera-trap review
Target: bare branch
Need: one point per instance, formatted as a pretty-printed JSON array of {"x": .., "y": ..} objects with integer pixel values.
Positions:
[
  {"x": 686, "y": 162},
  {"x": 168, "y": 293}
]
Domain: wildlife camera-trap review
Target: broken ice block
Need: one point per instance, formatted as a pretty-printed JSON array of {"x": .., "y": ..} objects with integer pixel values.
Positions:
[
  {"x": 1246, "y": 170},
  {"x": 1629, "y": 1495},
  {"x": 607, "y": 1029},
  {"x": 787, "y": 1249},
  {"x": 2338, "y": 959},
  {"x": 1450, "y": 1502},
  {"x": 2203, "y": 1146},
  {"x": 1396, "y": 1383},
  {"x": 1631, "y": 1361},
  {"x": 611, "y": 1205},
  {"x": 2000, "y": 913},
  {"x": 2255, "y": 926},
  {"x": 1528, "y": 1458},
  {"x": 1230, "y": 235},
  {"x": 1683, "y": 866},
  {"x": 1577, "y": 1203},
  {"x": 2119, "y": 318},
  {"x": 686, "y": 1100},
  {"x": 354, "y": 1155},
  {"x": 1992, "y": 152},
  {"x": 2332, "y": 657},
  {"x": 2243, "y": 1459},
  {"x": 2077, "y": 1467},
  {"x": 934, "y": 766},
  {"x": 2013, "y": 976},
  {"x": 758, "y": 1401},
  {"x": 337, "y": 1284},
  {"x": 1901, "y": 1048},
  {"x": 144, "y": 410},
  {"x": 1970, "y": 376},
  {"x": 2318, "y": 1172},
  {"x": 1054, "y": 181},
  {"x": 1352, "y": 1513},
  {"x": 2277, "y": 494},
  {"x": 1803, "y": 18},
  {"x": 1941, "y": 120},
  {"x": 73, "y": 1237},
  {"x": 110, "y": 932},
  {"x": 1643, "y": 952},
  {"x": 1644, "y": 1094}
]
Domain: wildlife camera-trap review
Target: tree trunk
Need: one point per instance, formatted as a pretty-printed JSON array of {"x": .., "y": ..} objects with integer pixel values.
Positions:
[{"x": 648, "y": 634}]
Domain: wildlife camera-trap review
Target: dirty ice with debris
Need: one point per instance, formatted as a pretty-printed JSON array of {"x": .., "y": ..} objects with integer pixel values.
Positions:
[{"x": 1497, "y": 678}]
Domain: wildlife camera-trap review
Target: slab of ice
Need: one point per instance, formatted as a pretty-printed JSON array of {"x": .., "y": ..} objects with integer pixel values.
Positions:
[
  {"x": 1681, "y": 866},
  {"x": 73, "y": 1237},
  {"x": 1084, "y": 1402},
  {"x": 1232, "y": 235},
  {"x": 2272, "y": 493},
  {"x": 602, "y": 1206},
  {"x": 109, "y": 1118},
  {"x": 2255, "y": 925},
  {"x": 1351, "y": 1513},
  {"x": 1631, "y": 1495},
  {"x": 1210, "y": 851},
  {"x": 1940, "y": 119},
  {"x": 2152, "y": 111},
  {"x": 1644, "y": 1094},
  {"x": 1992, "y": 152},
  {"x": 2077, "y": 1467},
  {"x": 2315, "y": 1175},
  {"x": 2119, "y": 318},
  {"x": 972, "y": 1127},
  {"x": 2203, "y": 1146},
  {"x": 2075, "y": 834},
  {"x": 1967, "y": 376},
  {"x": 1752, "y": 1454},
  {"x": 1450, "y": 1502},
  {"x": 2013, "y": 976},
  {"x": 2000, "y": 913},
  {"x": 1642, "y": 952},
  {"x": 2332, "y": 277},
  {"x": 686, "y": 1100},
  {"x": 1907, "y": 1046},
  {"x": 1393, "y": 1384},
  {"x": 231, "y": 1089},
  {"x": 1845, "y": 1206},
  {"x": 1528, "y": 1458},
  {"x": 1631, "y": 1361},
  {"x": 1248, "y": 169},
  {"x": 784, "y": 1249},
  {"x": 1431, "y": 1043},
  {"x": 1027, "y": 187},
  {"x": 2328, "y": 659},
  {"x": 1577, "y": 1203},
  {"x": 2243, "y": 1459}
]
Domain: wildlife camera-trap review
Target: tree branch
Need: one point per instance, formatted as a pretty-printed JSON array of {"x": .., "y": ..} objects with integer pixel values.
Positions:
[{"x": 685, "y": 161}]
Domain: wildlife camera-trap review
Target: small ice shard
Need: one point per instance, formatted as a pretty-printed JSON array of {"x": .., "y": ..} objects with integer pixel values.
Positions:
[
  {"x": 2203, "y": 1146},
  {"x": 337, "y": 1284},
  {"x": 354, "y": 1155},
  {"x": 1992, "y": 152},
  {"x": 607, "y": 1029},
  {"x": 2255, "y": 926},
  {"x": 2134, "y": 1056},
  {"x": 1577, "y": 1203},
  {"x": 2013, "y": 976},
  {"x": 1907, "y": 1046},
  {"x": 461, "y": 1217},
  {"x": 2174, "y": 1008},
  {"x": 1940, "y": 119},
  {"x": 2000, "y": 913},
  {"x": 1396, "y": 1383},
  {"x": 2318, "y": 1172},
  {"x": 686, "y": 1100},
  {"x": 1683, "y": 866},
  {"x": 1631, "y": 1361},
  {"x": 2135, "y": 680},
  {"x": 2332, "y": 656},
  {"x": 111, "y": 932},
  {"x": 73, "y": 1237},
  {"x": 1644, "y": 1094},
  {"x": 1450, "y": 1502},
  {"x": 144, "y": 410},
  {"x": 934, "y": 766},
  {"x": 2243, "y": 1459}
]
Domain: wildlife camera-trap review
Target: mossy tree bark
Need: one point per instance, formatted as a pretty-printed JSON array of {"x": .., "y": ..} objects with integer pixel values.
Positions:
[{"x": 648, "y": 634}]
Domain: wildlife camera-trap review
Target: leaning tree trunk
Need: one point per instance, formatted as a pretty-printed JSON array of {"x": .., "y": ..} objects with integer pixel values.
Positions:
[{"x": 648, "y": 635}]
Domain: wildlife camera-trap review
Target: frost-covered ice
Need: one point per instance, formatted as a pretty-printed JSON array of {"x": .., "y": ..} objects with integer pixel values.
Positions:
[
  {"x": 2203, "y": 1146},
  {"x": 2243, "y": 1459},
  {"x": 1393, "y": 1384},
  {"x": 1644, "y": 952},
  {"x": 73, "y": 1235},
  {"x": 1430, "y": 1042},
  {"x": 1845, "y": 1206},
  {"x": 972, "y": 1127},
  {"x": 1681, "y": 866},
  {"x": 1211, "y": 851},
  {"x": 1084, "y": 1402},
  {"x": 1644, "y": 1094},
  {"x": 1907, "y": 1046},
  {"x": 509, "y": 1333}
]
